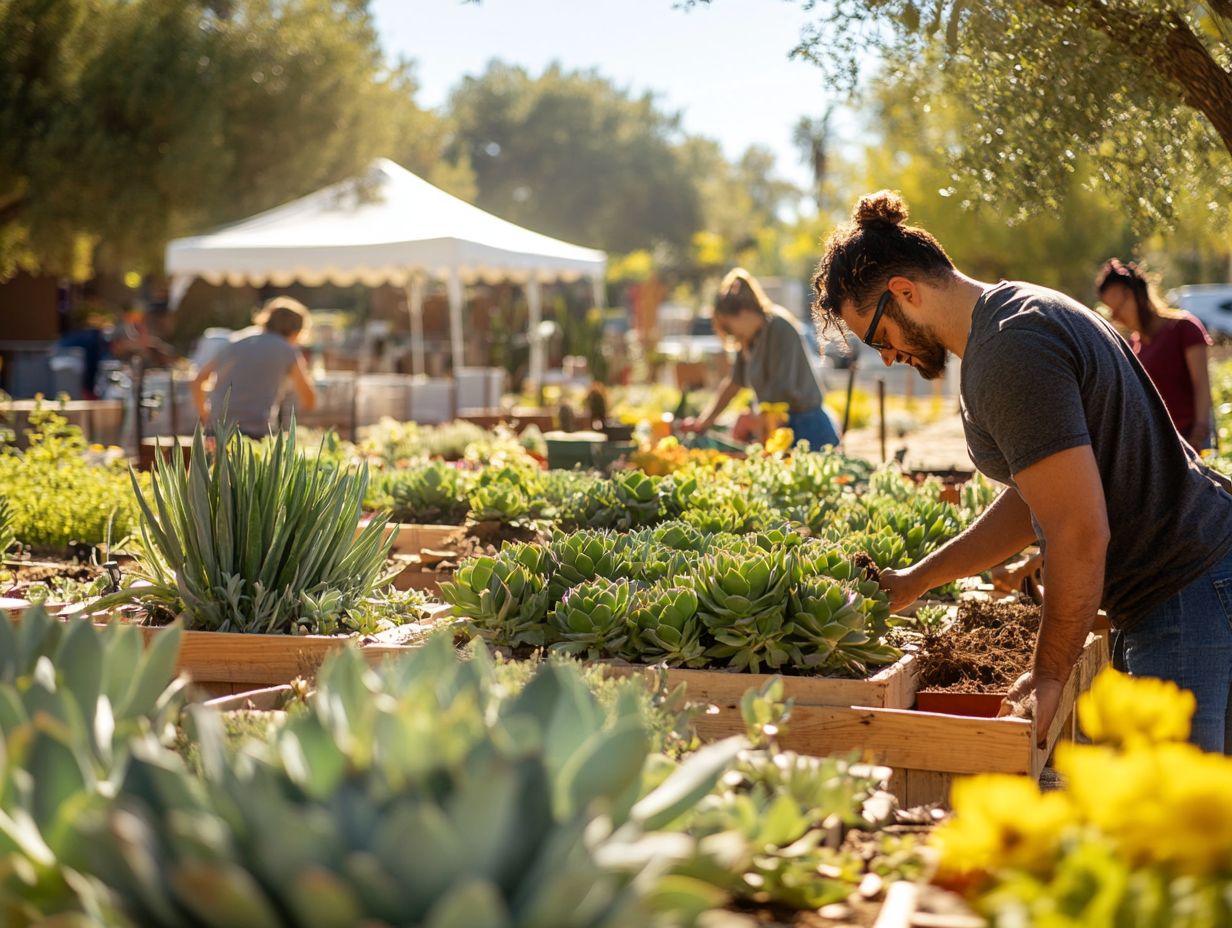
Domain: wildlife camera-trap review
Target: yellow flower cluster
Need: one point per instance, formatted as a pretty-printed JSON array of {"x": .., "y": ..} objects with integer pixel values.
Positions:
[
  {"x": 780, "y": 441},
  {"x": 1122, "y": 712},
  {"x": 669, "y": 456},
  {"x": 1140, "y": 808}
]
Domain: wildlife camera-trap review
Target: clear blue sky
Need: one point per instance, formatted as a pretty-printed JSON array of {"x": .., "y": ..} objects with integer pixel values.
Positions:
[{"x": 725, "y": 65}]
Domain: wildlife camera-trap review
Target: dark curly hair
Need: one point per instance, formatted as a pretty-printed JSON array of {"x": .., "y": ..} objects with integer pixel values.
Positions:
[{"x": 860, "y": 258}]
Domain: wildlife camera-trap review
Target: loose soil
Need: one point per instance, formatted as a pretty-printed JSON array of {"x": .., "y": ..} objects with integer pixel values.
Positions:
[
  {"x": 867, "y": 566},
  {"x": 989, "y": 647},
  {"x": 17, "y": 578}
]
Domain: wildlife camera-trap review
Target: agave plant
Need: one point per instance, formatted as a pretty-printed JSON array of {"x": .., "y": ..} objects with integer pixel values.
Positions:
[
  {"x": 434, "y": 492},
  {"x": 434, "y": 804},
  {"x": 742, "y": 601},
  {"x": 257, "y": 542},
  {"x": 666, "y": 627},
  {"x": 593, "y": 618},
  {"x": 829, "y": 631},
  {"x": 504, "y": 601}
]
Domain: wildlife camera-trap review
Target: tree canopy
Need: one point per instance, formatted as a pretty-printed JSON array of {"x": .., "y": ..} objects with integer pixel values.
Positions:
[
  {"x": 1137, "y": 94},
  {"x": 575, "y": 156},
  {"x": 127, "y": 122}
]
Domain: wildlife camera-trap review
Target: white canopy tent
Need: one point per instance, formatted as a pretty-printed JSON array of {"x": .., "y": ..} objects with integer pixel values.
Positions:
[{"x": 388, "y": 227}]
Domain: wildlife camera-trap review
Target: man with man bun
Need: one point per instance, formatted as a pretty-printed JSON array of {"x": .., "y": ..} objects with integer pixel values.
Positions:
[{"x": 1054, "y": 405}]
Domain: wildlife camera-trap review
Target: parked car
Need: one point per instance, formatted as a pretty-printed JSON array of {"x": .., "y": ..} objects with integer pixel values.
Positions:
[{"x": 1210, "y": 303}]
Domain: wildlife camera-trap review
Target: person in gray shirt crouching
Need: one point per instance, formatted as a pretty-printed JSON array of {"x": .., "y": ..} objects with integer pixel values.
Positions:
[
  {"x": 1054, "y": 405},
  {"x": 252, "y": 373}
]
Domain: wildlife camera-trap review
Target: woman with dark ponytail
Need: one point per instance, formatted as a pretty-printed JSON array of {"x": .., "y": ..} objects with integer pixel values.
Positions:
[{"x": 1171, "y": 346}]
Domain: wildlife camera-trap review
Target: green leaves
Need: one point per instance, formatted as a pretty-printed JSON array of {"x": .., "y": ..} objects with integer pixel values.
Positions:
[
  {"x": 592, "y": 618},
  {"x": 504, "y": 600},
  {"x": 74, "y": 701},
  {"x": 258, "y": 540},
  {"x": 422, "y": 793},
  {"x": 57, "y": 494},
  {"x": 434, "y": 492}
]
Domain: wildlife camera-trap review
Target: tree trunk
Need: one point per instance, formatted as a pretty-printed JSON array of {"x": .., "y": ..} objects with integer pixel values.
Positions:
[{"x": 1166, "y": 44}]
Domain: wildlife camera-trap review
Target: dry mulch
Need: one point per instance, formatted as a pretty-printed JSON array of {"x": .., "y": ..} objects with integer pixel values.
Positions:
[{"x": 989, "y": 647}]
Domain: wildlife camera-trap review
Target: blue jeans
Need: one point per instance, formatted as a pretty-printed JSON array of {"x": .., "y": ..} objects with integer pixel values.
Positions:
[
  {"x": 1188, "y": 639},
  {"x": 813, "y": 426}
]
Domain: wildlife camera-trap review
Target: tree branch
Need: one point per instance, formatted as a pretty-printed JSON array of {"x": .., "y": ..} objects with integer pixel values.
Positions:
[{"x": 1165, "y": 43}]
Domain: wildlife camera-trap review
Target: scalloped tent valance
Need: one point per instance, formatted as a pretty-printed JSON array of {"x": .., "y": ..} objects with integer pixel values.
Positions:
[{"x": 387, "y": 227}]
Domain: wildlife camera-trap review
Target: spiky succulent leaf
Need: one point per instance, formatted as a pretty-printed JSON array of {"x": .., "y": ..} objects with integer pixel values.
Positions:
[{"x": 525, "y": 811}]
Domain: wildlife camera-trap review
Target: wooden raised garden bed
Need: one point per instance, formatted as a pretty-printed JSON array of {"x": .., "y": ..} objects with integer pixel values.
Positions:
[
  {"x": 411, "y": 538},
  {"x": 927, "y": 749},
  {"x": 890, "y": 687},
  {"x": 224, "y": 663}
]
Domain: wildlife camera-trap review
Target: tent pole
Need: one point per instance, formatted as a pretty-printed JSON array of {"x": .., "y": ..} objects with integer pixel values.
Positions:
[
  {"x": 597, "y": 291},
  {"x": 455, "y": 334},
  {"x": 414, "y": 305},
  {"x": 534, "y": 304}
]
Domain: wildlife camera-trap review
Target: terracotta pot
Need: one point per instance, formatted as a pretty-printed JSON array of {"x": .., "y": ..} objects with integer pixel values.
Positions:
[{"x": 972, "y": 705}]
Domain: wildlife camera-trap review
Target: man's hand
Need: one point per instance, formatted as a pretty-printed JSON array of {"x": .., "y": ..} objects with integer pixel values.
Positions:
[
  {"x": 692, "y": 425},
  {"x": 904, "y": 586},
  {"x": 1027, "y": 699}
]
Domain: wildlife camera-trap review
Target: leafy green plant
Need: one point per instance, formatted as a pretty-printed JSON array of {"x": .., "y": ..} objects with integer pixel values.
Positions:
[
  {"x": 742, "y": 601},
  {"x": 666, "y": 627},
  {"x": 508, "y": 494},
  {"x": 60, "y": 493},
  {"x": 583, "y": 556},
  {"x": 416, "y": 796},
  {"x": 923, "y": 525},
  {"x": 7, "y": 537},
  {"x": 432, "y": 493},
  {"x": 829, "y": 631},
  {"x": 255, "y": 542}
]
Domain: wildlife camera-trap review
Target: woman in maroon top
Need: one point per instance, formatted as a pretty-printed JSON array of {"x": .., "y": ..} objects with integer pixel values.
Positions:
[{"x": 1171, "y": 346}]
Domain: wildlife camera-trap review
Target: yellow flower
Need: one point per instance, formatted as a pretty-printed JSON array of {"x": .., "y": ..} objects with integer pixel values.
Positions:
[
  {"x": 1001, "y": 822},
  {"x": 1168, "y": 804},
  {"x": 1124, "y": 710},
  {"x": 780, "y": 440}
]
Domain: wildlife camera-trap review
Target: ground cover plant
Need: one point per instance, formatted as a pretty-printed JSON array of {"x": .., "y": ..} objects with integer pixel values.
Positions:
[
  {"x": 60, "y": 493},
  {"x": 676, "y": 594}
]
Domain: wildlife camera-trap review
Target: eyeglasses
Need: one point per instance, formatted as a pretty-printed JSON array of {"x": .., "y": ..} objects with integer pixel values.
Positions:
[{"x": 872, "y": 329}]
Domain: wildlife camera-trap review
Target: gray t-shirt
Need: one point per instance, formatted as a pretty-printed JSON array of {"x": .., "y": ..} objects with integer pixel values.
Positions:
[
  {"x": 1042, "y": 373},
  {"x": 250, "y": 380},
  {"x": 776, "y": 365}
]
